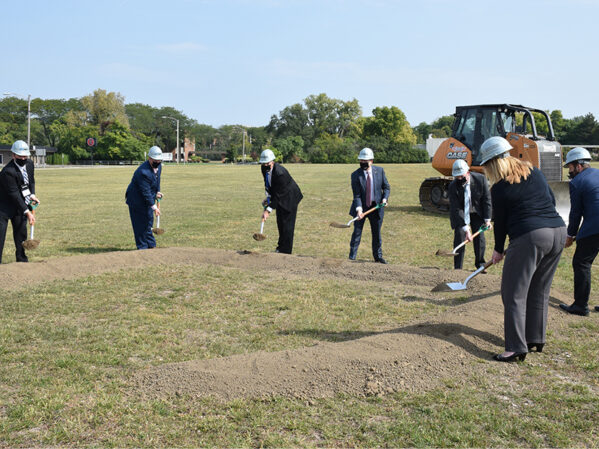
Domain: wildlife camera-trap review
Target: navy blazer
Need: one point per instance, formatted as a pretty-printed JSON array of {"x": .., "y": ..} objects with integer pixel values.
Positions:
[
  {"x": 358, "y": 186},
  {"x": 584, "y": 203},
  {"x": 480, "y": 195},
  {"x": 11, "y": 180},
  {"x": 145, "y": 184}
]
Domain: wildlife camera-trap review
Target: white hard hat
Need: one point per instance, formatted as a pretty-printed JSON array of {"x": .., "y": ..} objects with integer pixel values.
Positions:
[
  {"x": 155, "y": 153},
  {"x": 493, "y": 147},
  {"x": 266, "y": 156},
  {"x": 20, "y": 148},
  {"x": 577, "y": 154},
  {"x": 460, "y": 168},
  {"x": 366, "y": 154}
]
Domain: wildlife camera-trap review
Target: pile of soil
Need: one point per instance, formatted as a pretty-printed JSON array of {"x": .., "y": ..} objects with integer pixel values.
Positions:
[{"x": 417, "y": 357}]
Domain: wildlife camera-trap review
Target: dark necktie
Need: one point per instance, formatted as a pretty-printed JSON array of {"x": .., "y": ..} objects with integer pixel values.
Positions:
[{"x": 368, "y": 189}]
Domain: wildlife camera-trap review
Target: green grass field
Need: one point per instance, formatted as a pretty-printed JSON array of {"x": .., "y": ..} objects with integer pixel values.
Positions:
[{"x": 68, "y": 348}]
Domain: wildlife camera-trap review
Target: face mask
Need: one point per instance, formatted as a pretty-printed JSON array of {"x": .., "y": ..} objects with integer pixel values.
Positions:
[
  {"x": 463, "y": 181},
  {"x": 364, "y": 165},
  {"x": 156, "y": 164},
  {"x": 265, "y": 169},
  {"x": 572, "y": 174},
  {"x": 21, "y": 162}
]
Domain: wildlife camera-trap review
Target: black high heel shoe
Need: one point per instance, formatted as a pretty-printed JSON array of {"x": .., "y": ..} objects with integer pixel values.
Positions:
[
  {"x": 520, "y": 356},
  {"x": 532, "y": 346}
]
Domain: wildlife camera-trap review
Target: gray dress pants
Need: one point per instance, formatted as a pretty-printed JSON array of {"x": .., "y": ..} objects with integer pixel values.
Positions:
[{"x": 530, "y": 263}]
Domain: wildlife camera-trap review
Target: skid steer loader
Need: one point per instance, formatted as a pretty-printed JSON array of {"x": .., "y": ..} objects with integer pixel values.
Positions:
[{"x": 473, "y": 125}]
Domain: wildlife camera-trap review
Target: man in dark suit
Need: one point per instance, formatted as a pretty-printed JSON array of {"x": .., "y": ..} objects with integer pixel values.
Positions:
[
  {"x": 469, "y": 208},
  {"x": 141, "y": 196},
  {"x": 282, "y": 194},
  {"x": 370, "y": 187},
  {"x": 17, "y": 195}
]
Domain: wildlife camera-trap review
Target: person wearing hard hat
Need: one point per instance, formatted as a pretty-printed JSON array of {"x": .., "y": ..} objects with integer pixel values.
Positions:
[
  {"x": 141, "y": 196},
  {"x": 584, "y": 205},
  {"x": 282, "y": 194},
  {"x": 369, "y": 187},
  {"x": 469, "y": 208},
  {"x": 523, "y": 209},
  {"x": 17, "y": 196}
]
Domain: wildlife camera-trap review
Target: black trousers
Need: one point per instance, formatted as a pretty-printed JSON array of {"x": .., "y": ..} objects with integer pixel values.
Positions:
[
  {"x": 19, "y": 233},
  {"x": 286, "y": 226},
  {"x": 479, "y": 243},
  {"x": 586, "y": 251},
  {"x": 376, "y": 223}
]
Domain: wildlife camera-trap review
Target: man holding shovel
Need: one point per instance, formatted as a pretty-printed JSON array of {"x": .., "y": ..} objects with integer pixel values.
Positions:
[
  {"x": 469, "y": 208},
  {"x": 370, "y": 188},
  {"x": 141, "y": 196},
  {"x": 17, "y": 194},
  {"x": 282, "y": 194}
]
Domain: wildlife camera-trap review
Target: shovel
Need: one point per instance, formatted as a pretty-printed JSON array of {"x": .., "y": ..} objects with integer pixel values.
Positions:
[
  {"x": 453, "y": 253},
  {"x": 158, "y": 230},
  {"x": 455, "y": 286},
  {"x": 259, "y": 236},
  {"x": 31, "y": 243},
  {"x": 344, "y": 225}
]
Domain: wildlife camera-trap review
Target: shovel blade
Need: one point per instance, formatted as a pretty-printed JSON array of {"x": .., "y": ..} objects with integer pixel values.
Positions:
[
  {"x": 444, "y": 253},
  {"x": 339, "y": 225},
  {"x": 259, "y": 237},
  {"x": 456, "y": 286},
  {"x": 158, "y": 231},
  {"x": 31, "y": 244}
]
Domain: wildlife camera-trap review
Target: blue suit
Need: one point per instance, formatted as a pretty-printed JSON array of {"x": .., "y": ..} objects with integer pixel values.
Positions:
[
  {"x": 140, "y": 197},
  {"x": 381, "y": 191},
  {"x": 584, "y": 204}
]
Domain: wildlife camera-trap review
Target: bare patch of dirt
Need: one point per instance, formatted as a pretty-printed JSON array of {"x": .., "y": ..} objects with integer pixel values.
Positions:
[{"x": 447, "y": 347}]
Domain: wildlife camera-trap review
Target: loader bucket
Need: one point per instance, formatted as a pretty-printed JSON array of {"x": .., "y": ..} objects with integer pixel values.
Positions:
[{"x": 561, "y": 191}]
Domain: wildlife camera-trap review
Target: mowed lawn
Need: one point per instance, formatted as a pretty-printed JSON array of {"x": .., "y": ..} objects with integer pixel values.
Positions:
[{"x": 69, "y": 348}]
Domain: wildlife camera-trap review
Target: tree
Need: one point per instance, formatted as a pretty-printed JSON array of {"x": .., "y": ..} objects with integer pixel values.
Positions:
[
  {"x": 104, "y": 107},
  {"x": 291, "y": 148},
  {"x": 391, "y": 123}
]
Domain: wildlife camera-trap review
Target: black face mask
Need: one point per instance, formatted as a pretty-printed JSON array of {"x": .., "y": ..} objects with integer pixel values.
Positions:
[
  {"x": 572, "y": 174},
  {"x": 21, "y": 162},
  {"x": 156, "y": 164},
  {"x": 265, "y": 169},
  {"x": 463, "y": 181},
  {"x": 364, "y": 165}
]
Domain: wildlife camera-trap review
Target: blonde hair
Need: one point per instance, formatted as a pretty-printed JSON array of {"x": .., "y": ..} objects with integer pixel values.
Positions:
[{"x": 509, "y": 169}]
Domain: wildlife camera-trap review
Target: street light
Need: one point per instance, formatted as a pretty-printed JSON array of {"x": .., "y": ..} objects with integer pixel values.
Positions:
[
  {"x": 243, "y": 145},
  {"x": 9, "y": 94},
  {"x": 177, "y": 120}
]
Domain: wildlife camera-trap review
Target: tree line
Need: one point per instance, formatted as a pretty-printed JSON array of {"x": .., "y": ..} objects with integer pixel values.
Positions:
[{"x": 320, "y": 129}]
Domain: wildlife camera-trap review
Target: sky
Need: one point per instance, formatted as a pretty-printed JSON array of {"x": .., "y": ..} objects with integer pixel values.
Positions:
[{"x": 240, "y": 61}]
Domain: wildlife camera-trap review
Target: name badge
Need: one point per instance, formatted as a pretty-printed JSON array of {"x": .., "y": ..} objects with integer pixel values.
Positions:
[{"x": 25, "y": 191}]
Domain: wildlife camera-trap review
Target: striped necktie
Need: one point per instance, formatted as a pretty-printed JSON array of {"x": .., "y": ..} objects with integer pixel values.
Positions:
[
  {"x": 467, "y": 203},
  {"x": 25, "y": 176}
]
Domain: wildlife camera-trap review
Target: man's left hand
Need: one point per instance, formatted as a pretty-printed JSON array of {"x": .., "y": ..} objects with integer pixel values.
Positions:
[
  {"x": 159, "y": 195},
  {"x": 265, "y": 214},
  {"x": 569, "y": 241}
]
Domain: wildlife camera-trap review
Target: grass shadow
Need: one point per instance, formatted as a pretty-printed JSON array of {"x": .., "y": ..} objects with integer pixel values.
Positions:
[
  {"x": 455, "y": 301},
  {"x": 95, "y": 249}
]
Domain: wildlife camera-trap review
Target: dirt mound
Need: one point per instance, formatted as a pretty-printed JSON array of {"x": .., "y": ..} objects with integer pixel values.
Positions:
[{"x": 447, "y": 347}]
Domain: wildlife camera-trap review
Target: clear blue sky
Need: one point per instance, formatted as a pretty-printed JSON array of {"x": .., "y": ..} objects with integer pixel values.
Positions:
[{"x": 239, "y": 62}]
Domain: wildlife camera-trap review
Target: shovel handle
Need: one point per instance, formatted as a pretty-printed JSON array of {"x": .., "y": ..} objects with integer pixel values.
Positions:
[
  {"x": 481, "y": 229},
  {"x": 378, "y": 206},
  {"x": 262, "y": 227}
]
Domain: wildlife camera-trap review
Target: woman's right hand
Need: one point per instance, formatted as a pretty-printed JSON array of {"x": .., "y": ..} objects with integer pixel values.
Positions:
[{"x": 496, "y": 257}]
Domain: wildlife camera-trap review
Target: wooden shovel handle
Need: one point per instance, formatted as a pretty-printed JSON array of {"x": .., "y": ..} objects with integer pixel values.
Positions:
[
  {"x": 466, "y": 241},
  {"x": 370, "y": 210}
]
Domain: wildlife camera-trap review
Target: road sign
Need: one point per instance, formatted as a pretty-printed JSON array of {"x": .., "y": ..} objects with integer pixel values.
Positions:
[{"x": 91, "y": 142}]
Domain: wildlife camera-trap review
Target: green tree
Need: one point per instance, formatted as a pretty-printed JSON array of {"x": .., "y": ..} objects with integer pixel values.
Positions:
[
  {"x": 291, "y": 148},
  {"x": 104, "y": 107},
  {"x": 391, "y": 123}
]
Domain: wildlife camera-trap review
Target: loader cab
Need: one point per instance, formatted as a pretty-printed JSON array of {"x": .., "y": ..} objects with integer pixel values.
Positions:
[{"x": 475, "y": 124}]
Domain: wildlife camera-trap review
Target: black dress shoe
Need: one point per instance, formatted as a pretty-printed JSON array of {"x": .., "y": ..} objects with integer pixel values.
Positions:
[
  {"x": 575, "y": 310},
  {"x": 538, "y": 346},
  {"x": 380, "y": 260},
  {"x": 596, "y": 308},
  {"x": 520, "y": 356}
]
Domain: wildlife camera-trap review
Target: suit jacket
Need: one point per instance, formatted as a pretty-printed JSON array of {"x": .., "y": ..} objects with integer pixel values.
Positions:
[
  {"x": 145, "y": 184},
  {"x": 11, "y": 180},
  {"x": 358, "y": 186},
  {"x": 480, "y": 196},
  {"x": 284, "y": 192},
  {"x": 584, "y": 203}
]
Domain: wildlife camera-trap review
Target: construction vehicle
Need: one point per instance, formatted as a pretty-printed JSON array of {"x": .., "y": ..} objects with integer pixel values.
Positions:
[{"x": 472, "y": 126}]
